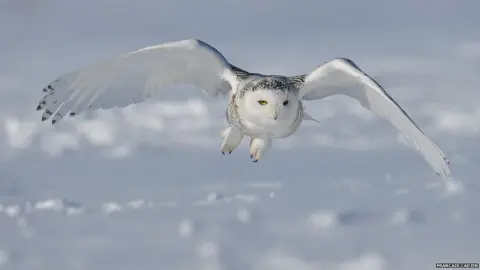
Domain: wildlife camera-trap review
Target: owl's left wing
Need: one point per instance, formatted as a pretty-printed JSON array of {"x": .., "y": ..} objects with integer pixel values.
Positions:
[
  {"x": 139, "y": 75},
  {"x": 343, "y": 77}
]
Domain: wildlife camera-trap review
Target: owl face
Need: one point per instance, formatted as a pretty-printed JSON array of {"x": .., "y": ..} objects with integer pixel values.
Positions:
[{"x": 270, "y": 105}]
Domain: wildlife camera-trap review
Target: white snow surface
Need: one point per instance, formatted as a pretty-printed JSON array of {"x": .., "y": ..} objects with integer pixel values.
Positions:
[{"x": 146, "y": 187}]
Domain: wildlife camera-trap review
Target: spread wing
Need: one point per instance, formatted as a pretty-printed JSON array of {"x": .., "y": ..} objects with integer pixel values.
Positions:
[
  {"x": 136, "y": 76},
  {"x": 342, "y": 76}
]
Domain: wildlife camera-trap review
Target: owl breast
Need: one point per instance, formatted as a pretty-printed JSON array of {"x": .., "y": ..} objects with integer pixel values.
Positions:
[{"x": 272, "y": 129}]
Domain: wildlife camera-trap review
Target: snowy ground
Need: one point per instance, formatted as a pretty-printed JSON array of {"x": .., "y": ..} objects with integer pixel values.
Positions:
[
  {"x": 146, "y": 187},
  {"x": 96, "y": 206}
]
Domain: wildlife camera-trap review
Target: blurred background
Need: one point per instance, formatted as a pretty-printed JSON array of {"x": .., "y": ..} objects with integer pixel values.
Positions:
[{"x": 345, "y": 193}]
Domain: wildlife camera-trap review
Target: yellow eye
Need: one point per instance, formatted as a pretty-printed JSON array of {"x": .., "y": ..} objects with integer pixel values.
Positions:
[{"x": 262, "y": 102}]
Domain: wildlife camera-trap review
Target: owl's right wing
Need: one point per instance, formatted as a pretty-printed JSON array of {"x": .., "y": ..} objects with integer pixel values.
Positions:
[
  {"x": 342, "y": 76},
  {"x": 136, "y": 76}
]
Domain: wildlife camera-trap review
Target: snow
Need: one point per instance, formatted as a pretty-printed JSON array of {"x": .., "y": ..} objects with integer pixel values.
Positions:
[
  {"x": 3, "y": 258},
  {"x": 146, "y": 187},
  {"x": 323, "y": 219},
  {"x": 313, "y": 222},
  {"x": 111, "y": 207},
  {"x": 12, "y": 210},
  {"x": 185, "y": 228}
]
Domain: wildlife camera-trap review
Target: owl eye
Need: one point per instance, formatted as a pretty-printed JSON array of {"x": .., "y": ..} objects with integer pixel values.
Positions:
[
  {"x": 262, "y": 102},
  {"x": 285, "y": 103}
]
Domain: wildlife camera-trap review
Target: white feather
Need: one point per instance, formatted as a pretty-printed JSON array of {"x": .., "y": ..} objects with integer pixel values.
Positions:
[
  {"x": 342, "y": 76},
  {"x": 139, "y": 75},
  {"x": 307, "y": 116}
]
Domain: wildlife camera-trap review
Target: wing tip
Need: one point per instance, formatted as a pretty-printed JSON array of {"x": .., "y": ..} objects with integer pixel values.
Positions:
[
  {"x": 56, "y": 118},
  {"x": 41, "y": 105},
  {"x": 446, "y": 160},
  {"x": 46, "y": 114},
  {"x": 48, "y": 88}
]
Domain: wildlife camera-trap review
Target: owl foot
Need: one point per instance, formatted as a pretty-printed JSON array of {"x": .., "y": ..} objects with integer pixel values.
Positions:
[
  {"x": 258, "y": 147},
  {"x": 232, "y": 138}
]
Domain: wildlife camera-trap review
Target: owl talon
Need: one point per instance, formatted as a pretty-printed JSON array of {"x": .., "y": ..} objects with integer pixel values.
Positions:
[{"x": 258, "y": 147}]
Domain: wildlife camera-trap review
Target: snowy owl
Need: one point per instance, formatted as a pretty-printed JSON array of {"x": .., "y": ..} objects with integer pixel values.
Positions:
[{"x": 262, "y": 107}]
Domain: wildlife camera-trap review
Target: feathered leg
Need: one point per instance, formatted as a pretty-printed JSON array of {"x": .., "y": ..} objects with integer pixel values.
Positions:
[
  {"x": 258, "y": 147},
  {"x": 232, "y": 138}
]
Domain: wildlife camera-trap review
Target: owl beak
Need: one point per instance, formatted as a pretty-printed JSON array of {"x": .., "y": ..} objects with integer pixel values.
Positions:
[{"x": 274, "y": 112}]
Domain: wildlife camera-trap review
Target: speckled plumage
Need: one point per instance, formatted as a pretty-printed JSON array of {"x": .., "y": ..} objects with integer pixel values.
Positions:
[{"x": 263, "y": 83}]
